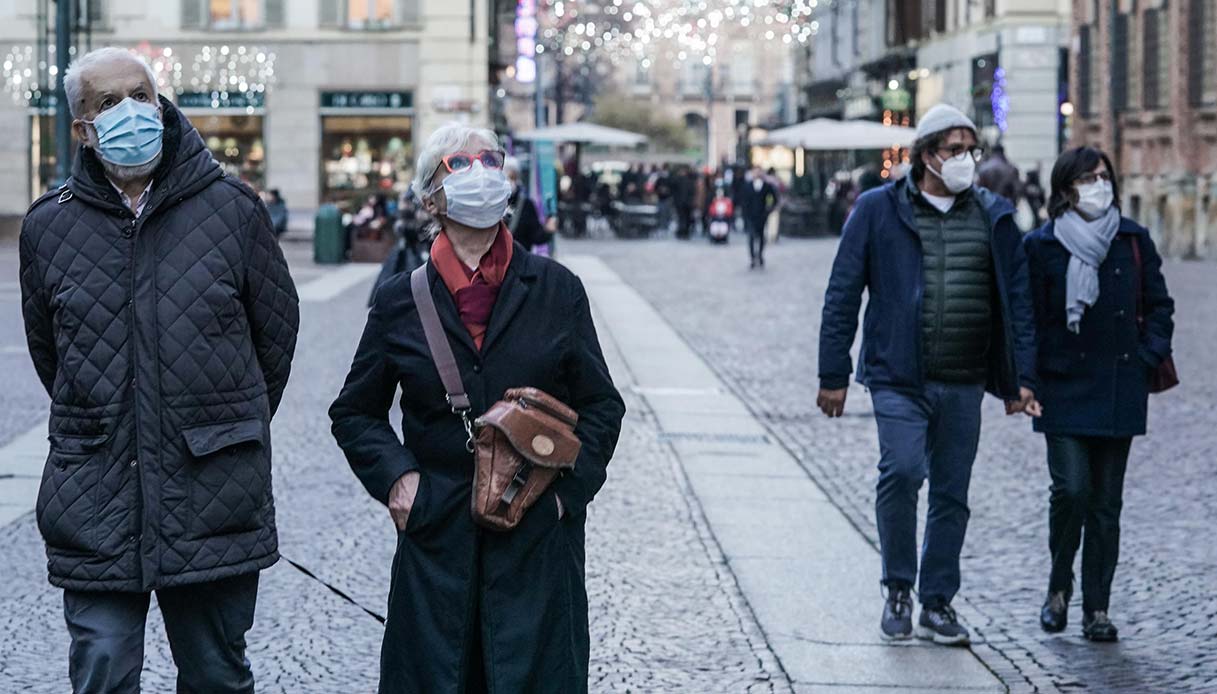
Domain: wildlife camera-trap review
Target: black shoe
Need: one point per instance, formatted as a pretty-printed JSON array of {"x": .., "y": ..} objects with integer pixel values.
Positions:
[
  {"x": 897, "y": 623},
  {"x": 941, "y": 625},
  {"x": 1054, "y": 616},
  {"x": 1097, "y": 627}
]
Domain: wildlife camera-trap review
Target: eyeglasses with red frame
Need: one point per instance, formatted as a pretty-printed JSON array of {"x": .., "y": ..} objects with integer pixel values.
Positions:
[{"x": 459, "y": 161}]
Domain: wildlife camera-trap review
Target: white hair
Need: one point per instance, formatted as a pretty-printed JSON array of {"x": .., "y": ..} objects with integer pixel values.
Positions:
[
  {"x": 73, "y": 78},
  {"x": 447, "y": 139}
]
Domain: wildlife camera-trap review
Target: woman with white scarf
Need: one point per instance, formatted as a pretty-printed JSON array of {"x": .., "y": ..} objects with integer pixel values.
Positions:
[{"x": 1103, "y": 324}]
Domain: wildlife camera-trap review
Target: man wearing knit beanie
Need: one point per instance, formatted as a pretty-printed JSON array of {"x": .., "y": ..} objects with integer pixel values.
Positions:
[{"x": 948, "y": 317}]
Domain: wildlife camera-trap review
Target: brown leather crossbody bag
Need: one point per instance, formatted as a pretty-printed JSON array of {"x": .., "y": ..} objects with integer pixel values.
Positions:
[{"x": 519, "y": 446}]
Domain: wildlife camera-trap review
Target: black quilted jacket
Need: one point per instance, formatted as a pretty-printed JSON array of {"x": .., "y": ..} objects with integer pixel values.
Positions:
[{"x": 165, "y": 343}]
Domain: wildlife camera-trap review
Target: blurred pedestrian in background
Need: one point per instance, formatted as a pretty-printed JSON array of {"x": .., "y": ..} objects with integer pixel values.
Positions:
[
  {"x": 522, "y": 218},
  {"x": 683, "y": 193},
  {"x": 1104, "y": 327},
  {"x": 1000, "y": 176},
  {"x": 277, "y": 208},
  {"x": 1033, "y": 194},
  {"x": 758, "y": 199},
  {"x": 473, "y": 610}
]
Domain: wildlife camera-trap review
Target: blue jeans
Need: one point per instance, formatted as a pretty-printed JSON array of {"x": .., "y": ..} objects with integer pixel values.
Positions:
[{"x": 933, "y": 433}]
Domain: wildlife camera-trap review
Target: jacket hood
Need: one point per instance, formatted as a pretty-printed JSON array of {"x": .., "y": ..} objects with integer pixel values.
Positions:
[
  {"x": 994, "y": 205},
  {"x": 186, "y": 166}
]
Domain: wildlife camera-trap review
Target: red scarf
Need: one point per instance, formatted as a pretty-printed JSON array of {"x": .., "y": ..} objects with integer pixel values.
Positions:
[{"x": 474, "y": 291}]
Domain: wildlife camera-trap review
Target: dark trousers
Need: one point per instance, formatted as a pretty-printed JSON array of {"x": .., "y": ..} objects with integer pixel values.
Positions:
[
  {"x": 756, "y": 239},
  {"x": 932, "y": 433},
  {"x": 1087, "y": 492},
  {"x": 205, "y": 622}
]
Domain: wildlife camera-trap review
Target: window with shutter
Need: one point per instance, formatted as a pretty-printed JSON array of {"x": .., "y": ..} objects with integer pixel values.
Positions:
[
  {"x": 331, "y": 12},
  {"x": 1084, "y": 81},
  {"x": 408, "y": 11},
  {"x": 192, "y": 14},
  {"x": 274, "y": 13},
  {"x": 1152, "y": 59},
  {"x": 1119, "y": 62},
  {"x": 1200, "y": 64}
]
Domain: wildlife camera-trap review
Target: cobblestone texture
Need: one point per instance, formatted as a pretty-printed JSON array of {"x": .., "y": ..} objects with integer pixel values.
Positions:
[
  {"x": 759, "y": 331},
  {"x": 666, "y": 613}
]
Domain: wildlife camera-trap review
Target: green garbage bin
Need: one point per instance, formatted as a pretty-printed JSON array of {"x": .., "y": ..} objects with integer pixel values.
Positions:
[{"x": 329, "y": 238}]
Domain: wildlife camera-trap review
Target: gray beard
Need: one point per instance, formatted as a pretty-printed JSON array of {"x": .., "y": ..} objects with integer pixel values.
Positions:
[{"x": 128, "y": 174}]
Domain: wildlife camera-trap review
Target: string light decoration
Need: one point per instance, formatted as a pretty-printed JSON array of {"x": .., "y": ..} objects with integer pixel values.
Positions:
[
  {"x": 224, "y": 70},
  {"x": 22, "y": 72}
]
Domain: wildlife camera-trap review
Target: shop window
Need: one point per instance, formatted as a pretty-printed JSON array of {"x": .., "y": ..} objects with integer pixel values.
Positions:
[
  {"x": 1086, "y": 85},
  {"x": 363, "y": 156},
  {"x": 1156, "y": 61},
  {"x": 236, "y": 143}
]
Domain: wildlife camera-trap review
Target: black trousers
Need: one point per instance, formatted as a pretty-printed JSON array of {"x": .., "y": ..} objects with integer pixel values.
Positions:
[
  {"x": 1087, "y": 494},
  {"x": 756, "y": 239},
  {"x": 205, "y": 622}
]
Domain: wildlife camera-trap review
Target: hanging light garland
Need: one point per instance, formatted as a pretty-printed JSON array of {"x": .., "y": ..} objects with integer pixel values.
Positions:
[{"x": 223, "y": 70}]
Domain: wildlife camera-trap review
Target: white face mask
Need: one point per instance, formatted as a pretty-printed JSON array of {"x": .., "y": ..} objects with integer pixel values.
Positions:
[
  {"x": 1094, "y": 198},
  {"x": 477, "y": 197},
  {"x": 958, "y": 173}
]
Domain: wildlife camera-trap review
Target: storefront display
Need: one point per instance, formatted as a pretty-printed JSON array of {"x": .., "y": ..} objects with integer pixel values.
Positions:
[
  {"x": 232, "y": 127},
  {"x": 366, "y": 145}
]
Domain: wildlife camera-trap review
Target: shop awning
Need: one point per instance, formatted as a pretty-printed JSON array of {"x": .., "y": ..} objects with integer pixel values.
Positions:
[
  {"x": 829, "y": 134},
  {"x": 584, "y": 133}
]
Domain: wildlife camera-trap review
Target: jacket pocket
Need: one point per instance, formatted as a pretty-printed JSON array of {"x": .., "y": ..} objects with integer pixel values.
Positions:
[
  {"x": 67, "y": 499},
  {"x": 229, "y": 474}
]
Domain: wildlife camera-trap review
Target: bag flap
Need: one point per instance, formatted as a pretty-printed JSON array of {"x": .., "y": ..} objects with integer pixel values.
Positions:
[
  {"x": 543, "y": 439},
  {"x": 209, "y": 438},
  {"x": 545, "y": 402}
]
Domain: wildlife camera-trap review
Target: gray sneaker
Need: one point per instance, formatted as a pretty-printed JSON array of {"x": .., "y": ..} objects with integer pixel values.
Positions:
[
  {"x": 941, "y": 625},
  {"x": 897, "y": 623}
]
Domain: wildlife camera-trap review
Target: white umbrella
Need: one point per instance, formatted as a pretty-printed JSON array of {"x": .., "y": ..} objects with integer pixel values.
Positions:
[
  {"x": 584, "y": 133},
  {"x": 829, "y": 134}
]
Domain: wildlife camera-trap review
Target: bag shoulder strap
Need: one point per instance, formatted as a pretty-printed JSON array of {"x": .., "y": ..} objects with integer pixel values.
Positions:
[
  {"x": 1136, "y": 259},
  {"x": 437, "y": 341}
]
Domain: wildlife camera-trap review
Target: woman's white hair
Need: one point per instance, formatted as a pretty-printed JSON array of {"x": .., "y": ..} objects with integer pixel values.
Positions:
[
  {"x": 73, "y": 78},
  {"x": 448, "y": 138}
]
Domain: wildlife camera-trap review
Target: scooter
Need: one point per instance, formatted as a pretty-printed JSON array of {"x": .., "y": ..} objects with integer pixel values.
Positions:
[{"x": 722, "y": 212}]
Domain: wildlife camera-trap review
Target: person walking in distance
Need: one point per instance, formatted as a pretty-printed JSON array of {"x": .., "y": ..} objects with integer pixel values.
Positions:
[
  {"x": 1104, "y": 327},
  {"x": 758, "y": 199},
  {"x": 162, "y": 321},
  {"x": 949, "y": 316}
]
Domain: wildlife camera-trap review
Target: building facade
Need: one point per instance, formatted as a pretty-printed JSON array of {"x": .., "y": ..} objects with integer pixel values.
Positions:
[
  {"x": 1145, "y": 90},
  {"x": 325, "y": 100}
]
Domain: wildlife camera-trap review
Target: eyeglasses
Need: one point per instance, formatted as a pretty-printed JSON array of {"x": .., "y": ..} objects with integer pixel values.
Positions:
[
  {"x": 957, "y": 151},
  {"x": 459, "y": 161},
  {"x": 1088, "y": 178}
]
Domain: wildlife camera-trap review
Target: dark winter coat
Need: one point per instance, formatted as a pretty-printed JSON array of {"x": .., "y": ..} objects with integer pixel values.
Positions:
[
  {"x": 524, "y": 590},
  {"x": 880, "y": 252},
  {"x": 756, "y": 205},
  {"x": 165, "y": 344},
  {"x": 1094, "y": 383}
]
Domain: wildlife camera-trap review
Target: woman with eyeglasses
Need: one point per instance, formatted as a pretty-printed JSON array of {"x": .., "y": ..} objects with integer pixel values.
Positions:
[
  {"x": 472, "y": 610},
  {"x": 1103, "y": 318}
]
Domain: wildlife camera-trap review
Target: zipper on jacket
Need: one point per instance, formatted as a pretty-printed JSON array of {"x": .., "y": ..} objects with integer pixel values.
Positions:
[
  {"x": 133, "y": 332},
  {"x": 942, "y": 291}
]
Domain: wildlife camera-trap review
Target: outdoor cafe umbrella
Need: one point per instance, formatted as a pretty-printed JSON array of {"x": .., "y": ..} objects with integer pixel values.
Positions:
[
  {"x": 584, "y": 134},
  {"x": 830, "y": 134}
]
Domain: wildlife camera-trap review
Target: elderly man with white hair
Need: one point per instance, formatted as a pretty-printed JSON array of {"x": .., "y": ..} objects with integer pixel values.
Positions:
[
  {"x": 471, "y": 609},
  {"x": 162, "y": 321}
]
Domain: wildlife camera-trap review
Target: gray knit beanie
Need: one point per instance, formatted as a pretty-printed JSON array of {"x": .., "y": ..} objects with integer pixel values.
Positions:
[{"x": 943, "y": 117}]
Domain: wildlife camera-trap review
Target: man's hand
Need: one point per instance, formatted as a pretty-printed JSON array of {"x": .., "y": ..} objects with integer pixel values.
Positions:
[
  {"x": 401, "y": 498},
  {"x": 832, "y": 402},
  {"x": 1026, "y": 404}
]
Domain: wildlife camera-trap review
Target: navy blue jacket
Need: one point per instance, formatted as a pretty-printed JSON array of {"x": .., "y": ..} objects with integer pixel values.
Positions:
[
  {"x": 1095, "y": 383},
  {"x": 880, "y": 251}
]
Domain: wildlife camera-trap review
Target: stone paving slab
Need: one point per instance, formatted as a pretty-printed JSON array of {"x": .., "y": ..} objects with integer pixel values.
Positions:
[{"x": 732, "y": 503}]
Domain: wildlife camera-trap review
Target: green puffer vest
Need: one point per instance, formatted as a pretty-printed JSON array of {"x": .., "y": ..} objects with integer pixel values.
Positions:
[{"x": 957, "y": 305}]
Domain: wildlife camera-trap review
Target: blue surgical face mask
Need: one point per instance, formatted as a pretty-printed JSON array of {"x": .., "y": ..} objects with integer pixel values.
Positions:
[{"x": 129, "y": 133}]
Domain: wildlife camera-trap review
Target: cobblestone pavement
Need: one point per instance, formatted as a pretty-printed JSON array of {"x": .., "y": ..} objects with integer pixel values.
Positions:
[
  {"x": 759, "y": 330},
  {"x": 666, "y": 613}
]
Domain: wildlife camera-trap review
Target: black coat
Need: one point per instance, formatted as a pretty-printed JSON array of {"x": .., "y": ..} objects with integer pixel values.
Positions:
[
  {"x": 755, "y": 205},
  {"x": 165, "y": 343},
  {"x": 1095, "y": 383},
  {"x": 524, "y": 589}
]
